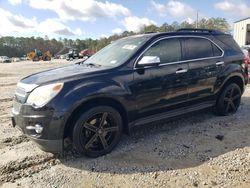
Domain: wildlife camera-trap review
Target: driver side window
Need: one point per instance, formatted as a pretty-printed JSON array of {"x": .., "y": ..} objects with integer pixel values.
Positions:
[{"x": 168, "y": 50}]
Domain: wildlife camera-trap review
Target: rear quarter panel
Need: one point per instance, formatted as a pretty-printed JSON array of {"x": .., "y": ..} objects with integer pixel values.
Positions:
[{"x": 232, "y": 67}]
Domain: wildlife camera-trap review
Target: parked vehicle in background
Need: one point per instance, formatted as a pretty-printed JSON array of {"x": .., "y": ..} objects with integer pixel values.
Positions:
[
  {"x": 4, "y": 59},
  {"x": 73, "y": 54},
  {"x": 56, "y": 57},
  {"x": 38, "y": 55},
  {"x": 63, "y": 56},
  {"x": 246, "y": 52},
  {"x": 246, "y": 47},
  {"x": 24, "y": 58},
  {"x": 131, "y": 82},
  {"x": 15, "y": 59},
  {"x": 85, "y": 53}
]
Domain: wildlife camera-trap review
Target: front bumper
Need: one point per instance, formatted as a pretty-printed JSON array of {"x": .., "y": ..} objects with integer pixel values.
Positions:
[
  {"x": 53, "y": 146},
  {"x": 51, "y": 137}
]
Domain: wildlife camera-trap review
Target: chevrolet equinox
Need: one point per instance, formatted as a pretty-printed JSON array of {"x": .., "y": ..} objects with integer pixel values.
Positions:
[{"x": 131, "y": 82}]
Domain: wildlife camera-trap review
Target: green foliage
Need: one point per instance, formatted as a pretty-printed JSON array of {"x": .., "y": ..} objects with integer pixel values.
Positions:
[{"x": 19, "y": 46}]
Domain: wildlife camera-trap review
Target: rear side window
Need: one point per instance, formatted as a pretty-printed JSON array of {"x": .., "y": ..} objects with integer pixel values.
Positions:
[
  {"x": 216, "y": 50},
  {"x": 231, "y": 47},
  {"x": 168, "y": 50},
  {"x": 197, "y": 48}
]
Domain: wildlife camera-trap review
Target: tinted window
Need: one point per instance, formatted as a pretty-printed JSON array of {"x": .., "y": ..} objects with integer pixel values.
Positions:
[
  {"x": 216, "y": 50},
  {"x": 198, "y": 48},
  {"x": 231, "y": 47},
  {"x": 168, "y": 50}
]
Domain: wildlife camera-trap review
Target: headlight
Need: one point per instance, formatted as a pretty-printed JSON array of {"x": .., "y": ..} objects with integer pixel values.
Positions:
[{"x": 43, "y": 94}]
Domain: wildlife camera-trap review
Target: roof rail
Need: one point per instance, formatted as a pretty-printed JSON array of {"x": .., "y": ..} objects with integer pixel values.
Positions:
[
  {"x": 149, "y": 32},
  {"x": 199, "y": 30}
]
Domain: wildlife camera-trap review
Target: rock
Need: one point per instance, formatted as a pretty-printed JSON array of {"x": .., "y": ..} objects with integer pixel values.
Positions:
[
  {"x": 185, "y": 146},
  {"x": 155, "y": 175},
  {"x": 195, "y": 184},
  {"x": 213, "y": 183},
  {"x": 219, "y": 137}
]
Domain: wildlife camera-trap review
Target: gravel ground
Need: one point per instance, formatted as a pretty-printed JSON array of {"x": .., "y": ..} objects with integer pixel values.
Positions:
[{"x": 200, "y": 150}]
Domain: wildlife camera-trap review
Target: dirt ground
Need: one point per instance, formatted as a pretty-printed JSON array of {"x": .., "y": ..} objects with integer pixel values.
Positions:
[{"x": 201, "y": 150}]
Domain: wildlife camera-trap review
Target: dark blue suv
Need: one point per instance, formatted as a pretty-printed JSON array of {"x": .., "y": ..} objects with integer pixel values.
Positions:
[{"x": 131, "y": 82}]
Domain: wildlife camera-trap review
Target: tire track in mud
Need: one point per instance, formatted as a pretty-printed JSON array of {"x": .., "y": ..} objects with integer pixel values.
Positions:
[
  {"x": 5, "y": 107},
  {"x": 6, "y": 99},
  {"x": 26, "y": 167},
  {"x": 6, "y": 75},
  {"x": 4, "y": 119},
  {"x": 11, "y": 141},
  {"x": 5, "y": 111},
  {"x": 9, "y": 84}
]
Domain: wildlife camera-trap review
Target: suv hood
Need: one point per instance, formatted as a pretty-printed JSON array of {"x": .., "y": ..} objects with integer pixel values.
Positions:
[{"x": 60, "y": 74}]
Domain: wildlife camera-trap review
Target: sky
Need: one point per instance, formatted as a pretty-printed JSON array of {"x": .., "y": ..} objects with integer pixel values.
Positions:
[{"x": 96, "y": 18}]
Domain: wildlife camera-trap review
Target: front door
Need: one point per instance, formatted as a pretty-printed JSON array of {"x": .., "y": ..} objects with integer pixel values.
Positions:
[{"x": 159, "y": 87}]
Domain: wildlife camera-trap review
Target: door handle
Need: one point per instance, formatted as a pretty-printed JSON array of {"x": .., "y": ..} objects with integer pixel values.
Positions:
[
  {"x": 179, "y": 71},
  {"x": 220, "y": 63}
]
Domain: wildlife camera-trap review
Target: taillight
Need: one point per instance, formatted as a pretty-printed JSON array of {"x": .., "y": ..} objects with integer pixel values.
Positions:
[{"x": 246, "y": 61}]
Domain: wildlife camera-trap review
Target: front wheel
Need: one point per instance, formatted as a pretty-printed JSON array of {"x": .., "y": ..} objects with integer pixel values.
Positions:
[
  {"x": 97, "y": 131},
  {"x": 229, "y": 100}
]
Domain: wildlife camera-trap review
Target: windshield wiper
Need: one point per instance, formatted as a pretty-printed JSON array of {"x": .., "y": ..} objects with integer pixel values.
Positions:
[
  {"x": 92, "y": 64},
  {"x": 80, "y": 62}
]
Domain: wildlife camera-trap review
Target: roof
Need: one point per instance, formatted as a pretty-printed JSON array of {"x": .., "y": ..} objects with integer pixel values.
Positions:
[
  {"x": 200, "y": 30},
  {"x": 180, "y": 32},
  {"x": 242, "y": 20},
  {"x": 187, "y": 31}
]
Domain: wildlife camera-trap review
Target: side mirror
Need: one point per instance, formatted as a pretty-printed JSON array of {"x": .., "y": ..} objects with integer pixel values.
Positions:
[{"x": 149, "y": 61}]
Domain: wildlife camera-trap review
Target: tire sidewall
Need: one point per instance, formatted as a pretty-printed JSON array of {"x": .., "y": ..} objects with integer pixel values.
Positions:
[
  {"x": 77, "y": 144},
  {"x": 220, "y": 104}
]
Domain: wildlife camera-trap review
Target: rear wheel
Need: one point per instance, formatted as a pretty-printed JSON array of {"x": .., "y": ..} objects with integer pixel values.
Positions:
[
  {"x": 229, "y": 100},
  {"x": 97, "y": 131}
]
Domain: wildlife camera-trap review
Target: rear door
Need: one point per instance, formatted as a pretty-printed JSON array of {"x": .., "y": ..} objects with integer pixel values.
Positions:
[{"x": 205, "y": 63}]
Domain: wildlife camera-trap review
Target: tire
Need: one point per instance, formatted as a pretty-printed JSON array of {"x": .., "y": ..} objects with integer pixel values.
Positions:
[
  {"x": 229, "y": 100},
  {"x": 97, "y": 131}
]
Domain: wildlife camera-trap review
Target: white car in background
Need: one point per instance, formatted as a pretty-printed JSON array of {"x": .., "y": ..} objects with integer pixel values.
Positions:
[
  {"x": 16, "y": 59},
  {"x": 4, "y": 59}
]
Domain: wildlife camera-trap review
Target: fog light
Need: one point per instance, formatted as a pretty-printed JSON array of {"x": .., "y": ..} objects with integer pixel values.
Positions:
[{"x": 38, "y": 128}]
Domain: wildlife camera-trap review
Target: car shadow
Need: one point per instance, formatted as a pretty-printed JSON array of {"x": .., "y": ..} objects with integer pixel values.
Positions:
[{"x": 184, "y": 142}]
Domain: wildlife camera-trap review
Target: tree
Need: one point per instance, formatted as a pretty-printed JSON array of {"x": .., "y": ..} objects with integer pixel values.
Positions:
[
  {"x": 19, "y": 46},
  {"x": 148, "y": 29},
  {"x": 186, "y": 24}
]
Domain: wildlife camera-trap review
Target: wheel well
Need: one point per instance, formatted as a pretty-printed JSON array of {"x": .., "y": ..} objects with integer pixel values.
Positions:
[
  {"x": 92, "y": 103},
  {"x": 235, "y": 79}
]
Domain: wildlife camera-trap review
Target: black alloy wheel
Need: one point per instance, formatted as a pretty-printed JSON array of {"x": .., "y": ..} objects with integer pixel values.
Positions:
[
  {"x": 97, "y": 131},
  {"x": 229, "y": 100}
]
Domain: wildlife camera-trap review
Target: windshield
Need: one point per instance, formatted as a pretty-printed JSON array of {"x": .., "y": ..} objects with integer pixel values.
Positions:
[{"x": 117, "y": 52}]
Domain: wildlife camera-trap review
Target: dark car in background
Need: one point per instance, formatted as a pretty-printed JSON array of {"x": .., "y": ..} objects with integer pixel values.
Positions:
[
  {"x": 72, "y": 54},
  {"x": 132, "y": 82}
]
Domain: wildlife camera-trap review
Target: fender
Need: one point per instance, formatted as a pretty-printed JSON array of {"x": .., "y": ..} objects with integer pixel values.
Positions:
[
  {"x": 230, "y": 71},
  {"x": 94, "y": 89}
]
